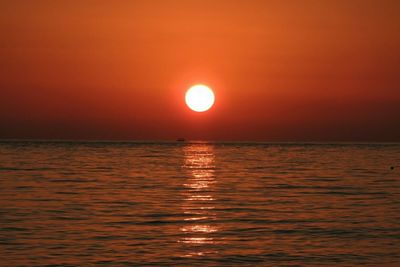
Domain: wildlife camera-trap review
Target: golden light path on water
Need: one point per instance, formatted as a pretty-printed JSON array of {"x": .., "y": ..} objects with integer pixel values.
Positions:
[{"x": 198, "y": 200}]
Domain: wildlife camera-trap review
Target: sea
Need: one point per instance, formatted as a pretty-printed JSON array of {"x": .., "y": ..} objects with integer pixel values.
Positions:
[{"x": 199, "y": 204}]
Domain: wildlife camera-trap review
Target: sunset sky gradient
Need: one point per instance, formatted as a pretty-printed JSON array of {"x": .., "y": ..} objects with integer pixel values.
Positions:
[{"x": 280, "y": 70}]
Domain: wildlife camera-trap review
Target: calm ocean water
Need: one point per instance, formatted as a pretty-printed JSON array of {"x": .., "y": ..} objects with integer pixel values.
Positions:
[{"x": 202, "y": 204}]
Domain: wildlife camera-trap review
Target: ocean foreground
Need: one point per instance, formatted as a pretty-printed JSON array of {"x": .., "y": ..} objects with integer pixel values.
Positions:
[{"x": 199, "y": 204}]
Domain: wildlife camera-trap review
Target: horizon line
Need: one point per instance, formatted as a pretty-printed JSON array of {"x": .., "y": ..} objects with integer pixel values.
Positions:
[{"x": 62, "y": 140}]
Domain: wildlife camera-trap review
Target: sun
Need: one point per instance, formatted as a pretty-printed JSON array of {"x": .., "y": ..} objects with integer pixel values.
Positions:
[{"x": 199, "y": 98}]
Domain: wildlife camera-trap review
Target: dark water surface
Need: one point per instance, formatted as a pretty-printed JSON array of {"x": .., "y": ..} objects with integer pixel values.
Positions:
[{"x": 205, "y": 204}]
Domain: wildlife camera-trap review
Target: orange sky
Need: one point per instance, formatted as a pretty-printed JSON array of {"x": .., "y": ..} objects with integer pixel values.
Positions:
[{"x": 281, "y": 70}]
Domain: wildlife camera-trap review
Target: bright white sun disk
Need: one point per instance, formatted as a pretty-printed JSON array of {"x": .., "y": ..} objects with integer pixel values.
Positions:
[{"x": 199, "y": 98}]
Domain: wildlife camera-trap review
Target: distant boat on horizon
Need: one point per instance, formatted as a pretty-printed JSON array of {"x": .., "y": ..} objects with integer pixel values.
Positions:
[{"x": 181, "y": 139}]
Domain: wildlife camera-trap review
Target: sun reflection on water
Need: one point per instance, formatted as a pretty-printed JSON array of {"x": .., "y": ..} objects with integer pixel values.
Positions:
[{"x": 198, "y": 203}]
